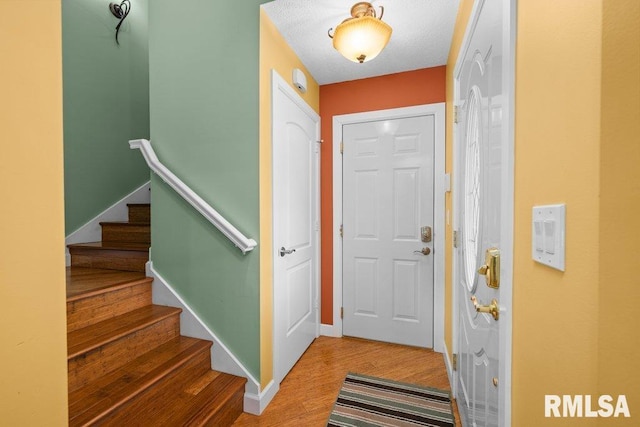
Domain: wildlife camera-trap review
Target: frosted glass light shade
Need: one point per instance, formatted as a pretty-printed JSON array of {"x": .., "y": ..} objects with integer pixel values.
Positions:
[{"x": 361, "y": 39}]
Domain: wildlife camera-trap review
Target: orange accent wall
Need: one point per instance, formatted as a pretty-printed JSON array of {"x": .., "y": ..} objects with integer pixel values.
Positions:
[{"x": 425, "y": 86}]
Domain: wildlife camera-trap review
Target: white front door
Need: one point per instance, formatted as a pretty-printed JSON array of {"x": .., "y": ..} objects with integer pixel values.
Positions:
[
  {"x": 484, "y": 210},
  {"x": 388, "y": 186},
  {"x": 296, "y": 130}
]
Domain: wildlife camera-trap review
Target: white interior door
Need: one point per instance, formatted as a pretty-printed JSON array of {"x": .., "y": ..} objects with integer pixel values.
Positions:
[
  {"x": 484, "y": 210},
  {"x": 296, "y": 130},
  {"x": 388, "y": 186}
]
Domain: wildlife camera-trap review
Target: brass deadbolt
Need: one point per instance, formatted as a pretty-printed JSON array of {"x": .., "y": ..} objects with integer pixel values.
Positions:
[{"x": 491, "y": 268}]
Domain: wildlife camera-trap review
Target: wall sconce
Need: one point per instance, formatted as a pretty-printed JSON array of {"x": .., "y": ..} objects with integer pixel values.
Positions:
[
  {"x": 363, "y": 36},
  {"x": 120, "y": 11}
]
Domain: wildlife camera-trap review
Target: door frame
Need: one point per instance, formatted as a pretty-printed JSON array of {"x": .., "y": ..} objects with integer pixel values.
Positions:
[
  {"x": 279, "y": 87},
  {"x": 509, "y": 19},
  {"x": 440, "y": 187}
]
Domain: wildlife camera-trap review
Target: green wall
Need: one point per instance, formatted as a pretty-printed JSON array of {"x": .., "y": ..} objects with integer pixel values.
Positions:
[
  {"x": 204, "y": 126},
  {"x": 106, "y": 103}
]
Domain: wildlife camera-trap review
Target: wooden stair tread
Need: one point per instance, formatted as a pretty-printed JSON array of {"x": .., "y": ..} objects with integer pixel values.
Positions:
[
  {"x": 197, "y": 407},
  {"x": 146, "y": 205},
  {"x": 109, "y": 392},
  {"x": 86, "y": 282},
  {"x": 119, "y": 246},
  {"x": 126, "y": 223},
  {"x": 99, "y": 334}
]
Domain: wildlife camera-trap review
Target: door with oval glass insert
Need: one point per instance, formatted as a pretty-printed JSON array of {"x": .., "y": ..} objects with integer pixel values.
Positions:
[{"x": 483, "y": 206}]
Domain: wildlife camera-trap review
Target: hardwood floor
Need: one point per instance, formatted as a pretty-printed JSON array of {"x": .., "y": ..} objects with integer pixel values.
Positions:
[{"x": 307, "y": 394}]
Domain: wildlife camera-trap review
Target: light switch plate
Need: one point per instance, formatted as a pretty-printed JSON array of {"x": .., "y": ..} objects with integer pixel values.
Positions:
[{"x": 548, "y": 235}]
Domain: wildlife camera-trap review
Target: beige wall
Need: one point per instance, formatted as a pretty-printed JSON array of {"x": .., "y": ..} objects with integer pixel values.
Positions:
[
  {"x": 557, "y": 157},
  {"x": 276, "y": 54},
  {"x": 619, "y": 285},
  {"x": 33, "y": 381}
]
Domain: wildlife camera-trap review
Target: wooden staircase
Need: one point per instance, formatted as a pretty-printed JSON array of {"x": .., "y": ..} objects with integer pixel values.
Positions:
[{"x": 128, "y": 364}]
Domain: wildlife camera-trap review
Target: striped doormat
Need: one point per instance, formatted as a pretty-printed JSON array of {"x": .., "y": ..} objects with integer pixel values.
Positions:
[{"x": 369, "y": 401}]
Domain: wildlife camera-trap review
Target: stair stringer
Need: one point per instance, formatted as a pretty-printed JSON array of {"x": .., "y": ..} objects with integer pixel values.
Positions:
[
  {"x": 92, "y": 232},
  {"x": 255, "y": 400}
]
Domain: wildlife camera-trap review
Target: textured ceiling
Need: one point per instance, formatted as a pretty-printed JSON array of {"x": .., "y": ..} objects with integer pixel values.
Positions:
[{"x": 421, "y": 37}]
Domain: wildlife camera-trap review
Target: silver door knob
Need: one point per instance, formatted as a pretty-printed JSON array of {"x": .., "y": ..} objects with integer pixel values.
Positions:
[
  {"x": 424, "y": 251},
  {"x": 284, "y": 251}
]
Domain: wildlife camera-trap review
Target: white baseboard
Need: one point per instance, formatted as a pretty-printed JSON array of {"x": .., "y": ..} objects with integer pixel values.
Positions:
[
  {"x": 91, "y": 231},
  {"x": 221, "y": 357},
  {"x": 330, "y": 331},
  {"x": 256, "y": 403},
  {"x": 449, "y": 366}
]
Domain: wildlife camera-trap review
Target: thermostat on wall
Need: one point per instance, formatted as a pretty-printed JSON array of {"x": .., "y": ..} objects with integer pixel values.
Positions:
[
  {"x": 299, "y": 80},
  {"x": 548, "y": 235}
]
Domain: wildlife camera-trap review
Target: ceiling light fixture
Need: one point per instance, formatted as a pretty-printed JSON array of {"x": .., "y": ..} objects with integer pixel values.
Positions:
[{"x": 363, "y": 36}]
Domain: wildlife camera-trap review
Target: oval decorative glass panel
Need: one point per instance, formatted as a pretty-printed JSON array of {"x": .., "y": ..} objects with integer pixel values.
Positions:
[{"x": 471, "y": 230}]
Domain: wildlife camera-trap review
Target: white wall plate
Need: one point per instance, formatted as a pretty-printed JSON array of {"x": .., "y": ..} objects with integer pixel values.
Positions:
[{"x": 548, "y": 235}]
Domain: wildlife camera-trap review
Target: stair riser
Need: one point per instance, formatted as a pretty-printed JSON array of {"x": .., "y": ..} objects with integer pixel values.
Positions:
[
  {"x": 134, "y": 409},
  {"x": 111, "y": 356},
  {"x": 94, "y": 309},
  {"x": 109, "y": 259},
  {"x": 107, "y": 392},
  {"x": 139, "y": 213},
  {"x": 229, "y": 413},
  {"x": 126, "y": 233},
  {"x": 218, "y": 403},
  {"x": 153, "y": 401}
]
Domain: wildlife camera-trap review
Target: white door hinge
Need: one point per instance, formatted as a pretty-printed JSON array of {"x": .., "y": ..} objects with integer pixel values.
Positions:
[
  {"x": 341, "y": 231},
  {"x": 454, "y": 362},
  {"x": 455, "y": 114},
  {"x": 455, "y": 238}
]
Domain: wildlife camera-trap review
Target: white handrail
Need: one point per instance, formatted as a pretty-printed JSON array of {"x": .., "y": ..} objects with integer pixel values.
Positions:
[{"x": 240, "y": 240}]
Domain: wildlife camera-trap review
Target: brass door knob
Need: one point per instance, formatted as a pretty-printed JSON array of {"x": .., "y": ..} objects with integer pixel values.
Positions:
[
  {"x": 424, "y": 251},
  {"x": 493, "y": 309}
]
